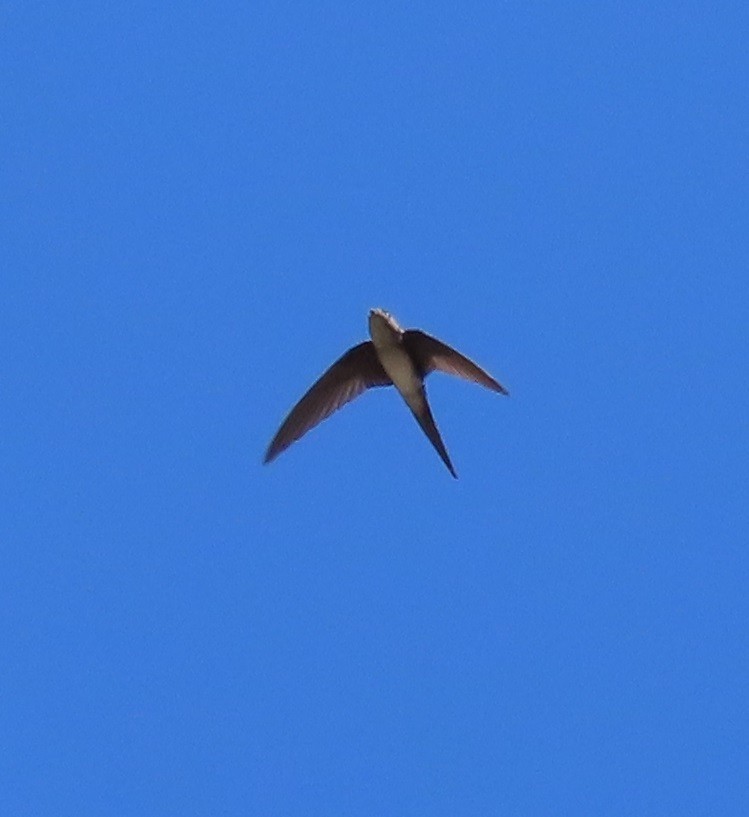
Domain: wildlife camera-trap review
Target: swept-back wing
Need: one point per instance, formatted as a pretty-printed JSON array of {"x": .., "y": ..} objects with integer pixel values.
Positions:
[
  {"x": 431, "y": 354},
  {"x": 357, "y": 370}
]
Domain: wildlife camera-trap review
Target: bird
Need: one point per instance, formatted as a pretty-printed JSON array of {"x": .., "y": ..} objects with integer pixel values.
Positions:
[{"x": 393, "y": 357}]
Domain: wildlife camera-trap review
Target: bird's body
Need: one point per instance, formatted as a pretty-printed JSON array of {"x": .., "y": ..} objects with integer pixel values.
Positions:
[
  {"x": 393, "y": 357},
  {"x": 387, "y": 338}
]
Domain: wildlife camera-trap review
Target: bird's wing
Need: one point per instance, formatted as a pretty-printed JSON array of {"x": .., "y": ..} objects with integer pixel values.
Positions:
[
  {"x": 357, "y": 370},
  {"x": 430, "y": 354}
]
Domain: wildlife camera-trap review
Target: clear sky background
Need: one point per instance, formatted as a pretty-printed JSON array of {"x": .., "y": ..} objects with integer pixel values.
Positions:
[{"x": 199, "y": 205}]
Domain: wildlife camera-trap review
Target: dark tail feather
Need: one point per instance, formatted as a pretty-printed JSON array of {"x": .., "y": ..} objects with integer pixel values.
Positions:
[{"x": 425, "y": 419}]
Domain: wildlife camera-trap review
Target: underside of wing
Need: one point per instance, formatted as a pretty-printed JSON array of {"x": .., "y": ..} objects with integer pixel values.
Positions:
[
  {"x": 357, "y": 370},
  {"x": 431, "y": 354}
]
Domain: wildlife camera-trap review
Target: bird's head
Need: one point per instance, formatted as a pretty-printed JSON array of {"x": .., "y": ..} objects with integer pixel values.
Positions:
[{"x": 382, "y": 325}]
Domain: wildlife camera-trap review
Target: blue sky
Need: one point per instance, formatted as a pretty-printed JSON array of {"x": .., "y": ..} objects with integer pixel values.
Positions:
[{"x": 199, "y": 207}]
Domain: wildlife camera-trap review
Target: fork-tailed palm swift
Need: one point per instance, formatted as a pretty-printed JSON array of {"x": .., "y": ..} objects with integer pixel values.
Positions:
[{"x": 394, "y": 357}]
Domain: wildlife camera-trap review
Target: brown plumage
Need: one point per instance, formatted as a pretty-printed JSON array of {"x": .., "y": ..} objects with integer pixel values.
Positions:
[{"x": 393, "y": 357}]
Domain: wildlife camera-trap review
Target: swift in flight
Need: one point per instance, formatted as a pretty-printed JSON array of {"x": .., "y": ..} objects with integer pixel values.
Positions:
[{"x": 394, "y": 357}]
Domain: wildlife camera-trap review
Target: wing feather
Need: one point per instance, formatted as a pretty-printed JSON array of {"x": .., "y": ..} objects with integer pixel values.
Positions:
[
  {"x": 431, "y": 354},
  {"x": 357, "y": 370}
]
